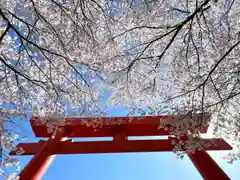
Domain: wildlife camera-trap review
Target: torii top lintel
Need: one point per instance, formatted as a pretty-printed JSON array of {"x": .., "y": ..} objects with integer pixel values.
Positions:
[{"x": 132, "y": 126}]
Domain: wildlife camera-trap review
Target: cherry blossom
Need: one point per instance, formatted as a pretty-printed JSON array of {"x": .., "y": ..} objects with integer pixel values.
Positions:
[{"x": 157, "y": 57}]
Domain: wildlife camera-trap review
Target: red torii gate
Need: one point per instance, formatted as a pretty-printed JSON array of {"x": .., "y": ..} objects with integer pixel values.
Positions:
[{"x": 119, "y": 128}]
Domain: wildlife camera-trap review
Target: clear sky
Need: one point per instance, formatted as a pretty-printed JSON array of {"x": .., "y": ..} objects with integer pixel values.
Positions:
[{"x": 127, "y": 166}]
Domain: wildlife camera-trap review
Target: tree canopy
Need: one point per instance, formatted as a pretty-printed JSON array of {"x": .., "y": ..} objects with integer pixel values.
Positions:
[{"x": 166, "y": 56}]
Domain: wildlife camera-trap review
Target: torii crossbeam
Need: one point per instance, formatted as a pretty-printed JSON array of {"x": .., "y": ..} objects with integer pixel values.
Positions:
[{"x": 119, "y": 128}]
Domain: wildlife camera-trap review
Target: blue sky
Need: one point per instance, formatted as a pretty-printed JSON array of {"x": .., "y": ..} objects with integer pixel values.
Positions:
[
  {"x": 127, "y": 166},
  {"x": 139, "y": 166}
]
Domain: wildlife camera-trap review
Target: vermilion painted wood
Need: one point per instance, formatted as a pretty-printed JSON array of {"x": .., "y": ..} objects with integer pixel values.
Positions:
[
  {"x": 146, "y": 126},
  {"x": 38, "y": 165},
  {"x": 120, "y": 146},
  {"x": 207, "y": 167}
]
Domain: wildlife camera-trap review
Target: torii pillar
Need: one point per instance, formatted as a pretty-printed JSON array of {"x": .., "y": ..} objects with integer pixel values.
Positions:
[{"x": 119, "y": 128}]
